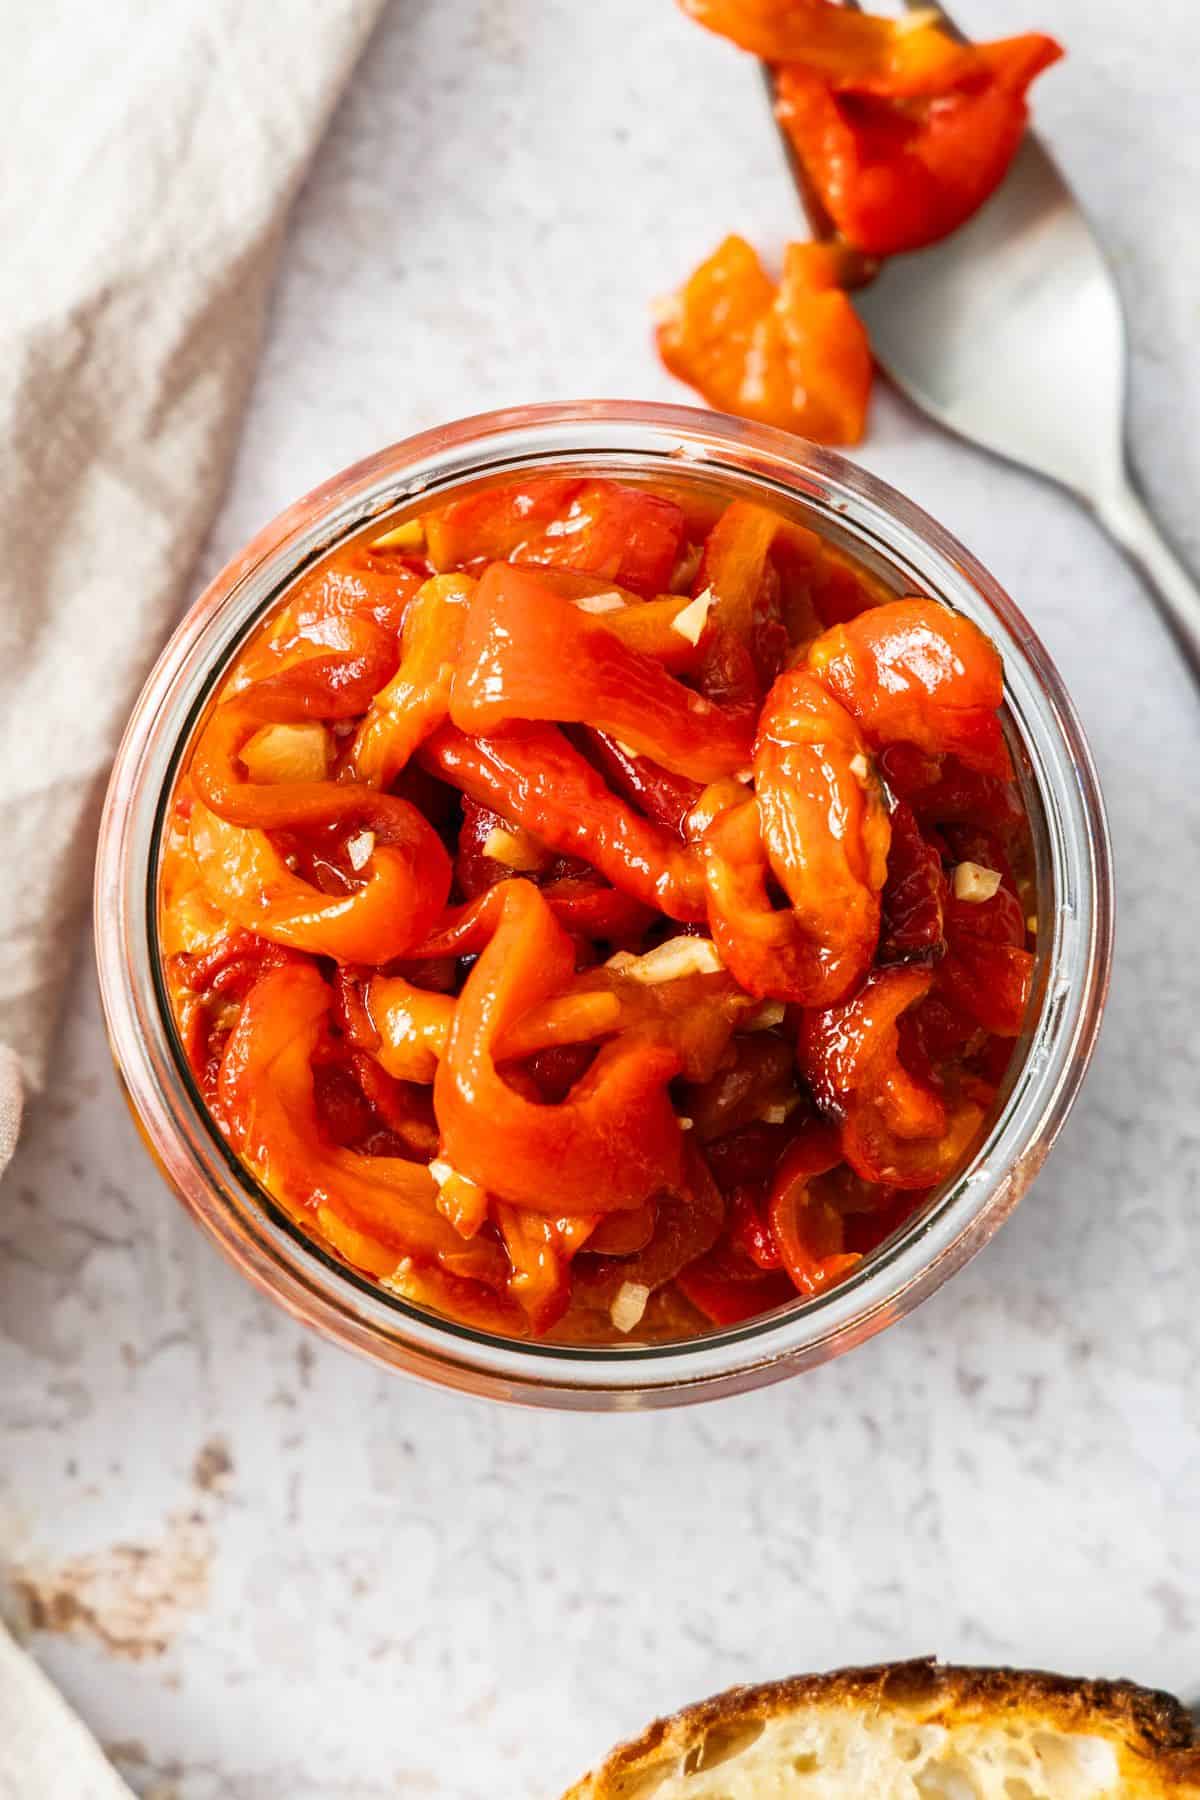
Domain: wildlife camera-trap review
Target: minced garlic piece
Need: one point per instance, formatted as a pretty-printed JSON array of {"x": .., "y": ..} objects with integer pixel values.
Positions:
[
  {"x": 685, "y": 1124},
  {"x": 600, "y": 603},
  {"x": 769, "y": 1014},
  {"x": 629, "y": 1305},
  {"x": 975, "y": 883},
  {"x": 287, "y": 753},
  {"x": 1031, "y": 924},
  {"x": 515, "y": 849},
  {"x": 677, "y": 957},
  {"x": 860, "y": 768},
  {"x": 690, "y": 622},
  {"x": 442, "y": 1172},
  {"x": 359, "y": 848},
  {"x": 746, "y": 775},
  {"x": 778, "y": 1111}
]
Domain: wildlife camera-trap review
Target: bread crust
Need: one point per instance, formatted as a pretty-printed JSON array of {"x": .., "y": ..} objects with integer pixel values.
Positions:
[{"x": 1150, "y": 1726}]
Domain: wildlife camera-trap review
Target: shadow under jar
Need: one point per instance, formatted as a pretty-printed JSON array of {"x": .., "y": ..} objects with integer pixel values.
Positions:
[{"x": 661, "y": 1349}]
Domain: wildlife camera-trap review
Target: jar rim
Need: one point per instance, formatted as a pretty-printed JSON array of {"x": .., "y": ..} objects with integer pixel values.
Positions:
[{"x": 615, "y": 437}]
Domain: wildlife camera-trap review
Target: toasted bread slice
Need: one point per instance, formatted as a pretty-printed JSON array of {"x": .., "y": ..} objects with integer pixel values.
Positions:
[{"x": 913, "y": 1731}]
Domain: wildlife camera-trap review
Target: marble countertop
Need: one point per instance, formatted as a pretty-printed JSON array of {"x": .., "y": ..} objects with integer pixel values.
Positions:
[{"x": 261, "y": 1568}]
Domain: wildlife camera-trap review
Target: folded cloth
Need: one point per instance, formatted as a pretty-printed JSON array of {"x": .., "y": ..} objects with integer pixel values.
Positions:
[
  {"x": 45, "y": 1753},
  {"x": 150, "y": 153}
]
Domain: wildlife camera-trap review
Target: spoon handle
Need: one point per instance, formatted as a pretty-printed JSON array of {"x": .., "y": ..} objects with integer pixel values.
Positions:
[{"x": 1175, "y": 591}]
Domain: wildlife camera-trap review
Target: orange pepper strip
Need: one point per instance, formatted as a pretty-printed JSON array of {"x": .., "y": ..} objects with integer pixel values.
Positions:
[
  {"x": 808, "y": 1233},
  {"x": 894, "y": 172},
  {"x": 913, "y": 671},
  {"x": 416, "y": 700},
  {"x": 529, "y": 654},
  {"x": 850, "y": 47},
  {"x": 894, "y": 1128},
  {"x": 533, "y": 777},
  {"x": 611, "y": 1144},
  {"x": 696, "y": 1014},
  {"x": 540, "y": 1250},
  {"x": 795, "y": 356},
  {"x": 405, "y": 888},
  {"x": 645, "y": 625},
  {"x": 820, "y": 823},
  {"x": 267, "y": 1107},
  {"x": 734, "y": 564}
]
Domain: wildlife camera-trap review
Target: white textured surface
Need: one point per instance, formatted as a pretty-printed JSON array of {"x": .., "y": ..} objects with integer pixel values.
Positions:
[{"x": 410, "y": 1593}]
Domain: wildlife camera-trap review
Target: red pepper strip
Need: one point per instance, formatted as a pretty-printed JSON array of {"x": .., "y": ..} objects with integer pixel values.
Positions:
[
  {"x": 825, "y": 833},
  {"x": 663, "y": 796},
  {"x": 991, "y": 983},
  {"x": 914, "y": 671},
  {"x": 586, "y": 908},
  {"x": 942, "y": 790},
  {"x": 326, "y": 668},
  {"x": 612, "y": 1144},
  {"x": 895, "y": 174},
  {"x": 759, "y": 1073},
  {"x": 625, "y": 534},
  {"x": 266, "y": 1106},
  {"x": 624, "y": 1233},
  {"x": 728, "y": 1289},
  {"x": 851, "y": 48},
  {"x": 916, "y": 893},
  {"x": 372, "y": 584},
  {"x": 528, "y": 654},
  {"x": 534, "y": 777},
  {"x": 1001, "y": 920},
  {"x": 415, "y": 702},
  {"x": 894, "y": 1128},
  {"x": 464, "y": 1302},
  {"x": 749, "y": 1230},
  {"x": 795, "y": 356},
  {"x": 808, "y": 1232},
  {"x": 687, "y": 1225},
  {"x": 407, "y": 879}
]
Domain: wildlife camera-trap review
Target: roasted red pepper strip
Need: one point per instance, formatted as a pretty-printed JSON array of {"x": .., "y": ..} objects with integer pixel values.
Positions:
[
  {"x": 532, "y": 775},
  {"x": 666, "y": 798},
  {"x": 583, "y": 906},
  {"x": 915, "y": 894},
  {"x": 327, "y": 668},
  {"x": 687, "y": 1225},
  {"x": 406, "y": 881},
  {"x": 895, "y": 173},
  {"x": 989, "y": 982},
  {"x": 612, "y": 1144},
  {"x": 529, "y": 654},
  {"x": 894, "y": 1128},
  {"x": 808, "y": 1232},
  {"x": 267, "y": 1107},
  {"x": 851, "y": 48},
  {"x": 824, "y": 831},
  {"x": 916, "y": 672},
  {"x": 416, "y": 700},
  {"x": 728, "y": 1289},
  {"x": 626, "y": 534},
  {"x": 793, "y": 355}
]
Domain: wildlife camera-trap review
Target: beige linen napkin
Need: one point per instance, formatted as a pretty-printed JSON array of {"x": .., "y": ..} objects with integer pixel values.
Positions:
[
  {"x": 150, "y": 153},
  {"x": 45, "y": 1753}
]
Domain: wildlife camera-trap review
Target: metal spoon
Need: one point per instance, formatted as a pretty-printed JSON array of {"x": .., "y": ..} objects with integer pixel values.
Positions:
[{"x": 1011, "y": 334}]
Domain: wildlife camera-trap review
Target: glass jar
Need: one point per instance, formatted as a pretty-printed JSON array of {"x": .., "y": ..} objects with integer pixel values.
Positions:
[{"x": 910, "y": 553}]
